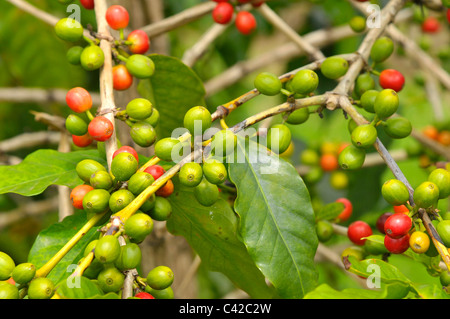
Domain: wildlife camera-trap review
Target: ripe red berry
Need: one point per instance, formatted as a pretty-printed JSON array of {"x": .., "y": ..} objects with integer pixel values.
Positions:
[
  {"x": 100, "y": 128},
  {"x": 381, "y": 220},
  {"x": 397, "y": 225},
  {"x": 348, "y": 209},
  {"x": 82, "y": 140},
  {"x": 122, "y": 79},
  {"x": 223, "y": 13},
  {"x": 431, "y": 25},
  {"x": 448, "y": 15},
  {"x": 79, "y": 100},
  {"x": 396, "y": 245},
  {"x": 144, "y": 295},
  {"x": 245, "y": 22},
  {"x": 77, "y": 195},
  {"x": 401, "y": 209},
  {"x": 392, "y": 79},
  {"x": 155, "y": 170},
  {"x": 140, "y": 42},
  {"x": 117, "y": 17},
  {"x": 357, "y": 231},
  {"x": 88, "y": 4},
  {"x": 126, "y": 149}
]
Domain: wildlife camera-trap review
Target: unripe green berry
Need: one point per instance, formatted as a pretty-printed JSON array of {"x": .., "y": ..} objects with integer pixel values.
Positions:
[
  {"x": 267, "y": 83},
  {"x": 304, "y": 82},
  {"x": 92, "y": 58},
  {"x": 334, "y": 67},
  {"x": 139, "y": 109}
]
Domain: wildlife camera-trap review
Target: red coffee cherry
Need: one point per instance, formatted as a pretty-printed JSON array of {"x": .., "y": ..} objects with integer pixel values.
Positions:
[
  {"x": 83, "y": 140},
  {"x": 155, "y": 170},
  {"x": 448, "y": 15},
  {"x": 122, "y": 79},
  {"x": 88, "y": 4},
  {"x": 245, "y": 22},
  {"x": 392, "y": 79},
  {"x": 223, "y": 13},
  {"x": 397, "y": 225},
  {"x": 396, "y": 245},
  {"x": 140, "y": 42},
  {"x": 357, "y": 231},
  {"x": 348, "y": 209},
  {"x": 117, "y": 17},
  {"x": 431, "y": 25},
  {"x": 77, "y": 195},
  {"x": 79, "y": 100},
  {"x": 401, "y": 209},
  {"x": 100, "y": 128},
  {"x": 144, "y": 295},
  {"x": 126, "y": 149},
  {"x": 382, "y": 220}
]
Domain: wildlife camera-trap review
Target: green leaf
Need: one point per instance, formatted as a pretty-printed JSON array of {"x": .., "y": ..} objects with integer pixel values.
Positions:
[
  {"x": 212, "y": 233},
  {"x": 51, "y": 240},
  {"x": 173, "y": 89},
  {"x": 277, "y": 219},
  {"x": 330, "y": 211},
  {"x": 326, "y": 292},
  {"x": 78, "y": 288},
  {"x": 429, "y": 291},
  {"x": 43, "y": 168}
]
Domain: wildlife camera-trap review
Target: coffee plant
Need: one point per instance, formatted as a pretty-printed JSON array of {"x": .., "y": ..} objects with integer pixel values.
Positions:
[{"x": 225, "y": 149}]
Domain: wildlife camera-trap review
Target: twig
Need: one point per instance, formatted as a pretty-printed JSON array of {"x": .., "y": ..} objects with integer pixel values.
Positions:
[
  {"x": 64, "y": 202},
  {"x": 281, "y": 25},
  {"x": 432, "y": 144},
  {"x": 26, "y": 140}
]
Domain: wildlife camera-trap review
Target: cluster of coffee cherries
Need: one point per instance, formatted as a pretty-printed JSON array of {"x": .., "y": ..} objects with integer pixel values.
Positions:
[
  {"x": 245, "y": 21},
  {"x": 91, "y": 57}
]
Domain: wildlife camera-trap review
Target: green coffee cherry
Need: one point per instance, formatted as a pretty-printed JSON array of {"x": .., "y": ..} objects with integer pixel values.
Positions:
[
  {"x": 96, "y": 201},
  {"x": 206, "y": 193},
  {"x": 298, "y": 116},
  {"x": 441, "y": 178},
  {"x": 368, "y": 100},
  {"x": 169, "y": 149},
  {"x": 120, "y": 199},
  {"x": 191, "y": 174},
  {"x": 324, "y": 230},
  {"x": 92, "y": 58},
  {"x": 143, "y": 134},
  {"x": 223, "y": 143},
  {"x": 140, "y": 66},
  {"x": 160, "y": 277},
  {"x": 278, "y": 138},
  {"x": 101, "y": 180},
  {"x": 7, "y": 266},
  {"x": 395, "y": 192},
  {"x": 386, "y": 103},
  {"x": 69, "y": 29},
  {"x": 74, "y": 54},
  {"x": 197, "y": 120},
  {"x": 214, "y": 171},
  {"x": 76, "y": 125},
  {"x": 351, "y": 125},
  {"x": 443, "y": 229},
  {"x": 153, "y": 120},
  {"x": 24, "y": 273},
  {"x": 357, "y": 24},
  {"x": 110, "y": 279},
  {"x": 397, "y": 127},
  {"x": 8, "y": 291},
  {"x": 267, "y": 83},
  {"x": 138, "y": 226},
  {"x": 107, "y": 249},
  {"x": 87, "y": 167},
  {"x": 304, "y": 82},
  {"x": 90, "y": 247},
  {"x": 166, "y": 293},
  {"x": 162, "y": 209},
  {"x": 381, "y": 49},
  {"x": 426, "y": 195},
  {"x": 130, "y": 257},
  {"x": 334, "y": 67},
  {"x": 364, "y": 135},
  {"x": 352, "y": 157},
  {"x": 41, "y": 288},
  {"x": 149, "y": 204},
  {"x": 139, "y": 109},
  {"x": 139, "y": 181},
  {"x": 123, "y": 166},
  {"x": 375, "y": 245},
  {"x": 363, "y": 83}
]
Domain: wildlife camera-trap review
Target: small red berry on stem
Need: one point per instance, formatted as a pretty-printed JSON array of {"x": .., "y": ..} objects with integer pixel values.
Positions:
[
  {"x": 357, "y": 231},
  {"x": 382, "y": 220},
  {"x": 100, "y": 128},
  {"x": 348, "y": 209},
  {"x": 223, "y": 13},
  {"x": 140, "y": 42},
  {"x": 82, "y": 140},
  {"x": 122, "y": 79},
  {"x": 144, "y": 295},
  {"x": 245, "y": 22},
  {"x": 79, "y": 100},
  {"x": 155, "y": 170},
  {"x": 117, "y": 17},
  {"x": 396, "y": 245},
  {"x": 431, "y": 25},
  {"x": 397, "y": 225},
  {"x": 77, "y": 194},
  {"x": 88, "y": 4},
  {"x": 392, "y": 79}
]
